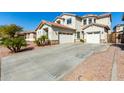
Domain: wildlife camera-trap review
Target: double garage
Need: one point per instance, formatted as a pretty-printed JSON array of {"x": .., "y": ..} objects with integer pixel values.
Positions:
[{"x": 91, "y": 37}]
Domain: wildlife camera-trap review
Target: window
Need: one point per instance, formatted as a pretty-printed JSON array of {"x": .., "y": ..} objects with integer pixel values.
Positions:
[
  {"x": 78, "y": 35},
  {"x": 89, "y": 32},
  {"x": 96, "y": 32},
  {"x": 90, "y": 21},
  {"x": 69, "y": 21},
  {"x": 84, "y": 21},
  {"x": 94, "y": 20}
]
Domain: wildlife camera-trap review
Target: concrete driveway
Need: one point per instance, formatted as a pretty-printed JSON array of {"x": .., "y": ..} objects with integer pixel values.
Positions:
[{"x": 50, "y": 63}]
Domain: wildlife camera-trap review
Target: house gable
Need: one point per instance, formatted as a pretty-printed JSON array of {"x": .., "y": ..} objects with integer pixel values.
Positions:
[{"x": 96, "y": 25}]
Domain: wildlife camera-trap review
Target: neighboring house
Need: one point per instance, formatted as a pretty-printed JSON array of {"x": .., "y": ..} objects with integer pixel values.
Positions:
[
  {"x": 69, "y": 28},
  {"x": 29, "y": 36},
  {"x": 119, "y": 33}
]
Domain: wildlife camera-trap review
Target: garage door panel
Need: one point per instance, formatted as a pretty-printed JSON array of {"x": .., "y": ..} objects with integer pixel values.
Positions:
[
  {"x": 93, "y": 37},
  {"x": 66, "y": 38}
]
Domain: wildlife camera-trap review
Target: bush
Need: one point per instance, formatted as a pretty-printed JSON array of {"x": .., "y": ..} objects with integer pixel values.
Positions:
[
  {"x": 14, "y": 44},
  {"x": 81, "y": 40},
  {"x": 43, "y": 40}
]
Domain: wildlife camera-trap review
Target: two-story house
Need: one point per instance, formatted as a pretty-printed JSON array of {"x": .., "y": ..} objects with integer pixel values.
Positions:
[
  {"x": 70, "y": 28},
  {"x": 118, "y": 33},
  {"x": 96, "y": 29}
]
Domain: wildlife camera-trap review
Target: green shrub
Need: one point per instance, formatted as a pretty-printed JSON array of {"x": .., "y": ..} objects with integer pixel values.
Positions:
[
  {"x": 43, "y": 40},
  {"x": 81, "y": 40},
  {"x": 14, "y": 44}
]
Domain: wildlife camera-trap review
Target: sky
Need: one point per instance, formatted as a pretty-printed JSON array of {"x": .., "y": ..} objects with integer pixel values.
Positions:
[{"x": 30, "y": 20}]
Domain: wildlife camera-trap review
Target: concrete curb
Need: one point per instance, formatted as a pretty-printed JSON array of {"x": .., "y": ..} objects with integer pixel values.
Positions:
[{"x": 114, "y": 67}]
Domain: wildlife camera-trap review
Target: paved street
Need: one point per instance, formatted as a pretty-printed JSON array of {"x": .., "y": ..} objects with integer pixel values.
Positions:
[{"x": 49, "y": 63}]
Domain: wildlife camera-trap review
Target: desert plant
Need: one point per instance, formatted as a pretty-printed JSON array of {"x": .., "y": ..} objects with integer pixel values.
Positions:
[
  {"x": 81, "y": 40},
  {"x": 41, "y": 41},
  {"x": 14, "y": 44},
  {"x": 38, "y": 41}
]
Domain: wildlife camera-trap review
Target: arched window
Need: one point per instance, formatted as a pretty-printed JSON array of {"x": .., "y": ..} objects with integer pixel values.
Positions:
[
  {"x": 69, "y": 21},
  {"x": 90, "y": 20},
  {"x": 84, "y": 21},
  {"x": 94, "y": 20}
]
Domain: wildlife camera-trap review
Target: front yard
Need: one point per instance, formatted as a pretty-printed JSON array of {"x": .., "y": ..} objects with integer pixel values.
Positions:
[
  {"x": 108, "y": 65},
  {"x": 6, "y": 52}
]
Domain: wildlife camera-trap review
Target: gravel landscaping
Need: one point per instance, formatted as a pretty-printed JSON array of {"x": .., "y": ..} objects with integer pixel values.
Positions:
[
  {"x": 120, "y": 62},
  {"x": 96, "y": 67}
]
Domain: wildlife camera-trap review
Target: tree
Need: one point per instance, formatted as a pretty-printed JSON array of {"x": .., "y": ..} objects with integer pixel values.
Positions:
[
  {"x": 14, "y": 44},
  {"x": 9, "y": 30},
  {"x": 9, "y": 38}
]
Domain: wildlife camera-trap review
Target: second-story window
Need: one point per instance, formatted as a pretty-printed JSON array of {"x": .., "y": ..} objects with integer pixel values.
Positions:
[
  {"x": 90, "y": 20},
  {"x": 84, "y": 21},
  {"x": 94, "y": 20},
  {"x": 69, "y": 21},
  {"x": 78, "y": 35}
]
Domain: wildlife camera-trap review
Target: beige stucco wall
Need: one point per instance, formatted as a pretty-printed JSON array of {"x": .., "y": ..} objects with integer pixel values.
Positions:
[
  {"x": 41, "y": 31},
  {"x": 119, "y": 28},
  {"x": 73, "y": 21},
  {"x": 30, "y": 37},
  {"x": 105, "y": 21},
  {"x": 78, "y": 24},
  {"x": 52, "y": 32}
]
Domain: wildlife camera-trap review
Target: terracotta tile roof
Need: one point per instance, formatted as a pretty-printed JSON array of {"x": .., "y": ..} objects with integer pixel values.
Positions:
[
  {"x": 60, "y": 18},
  {"x": 104, "y": 15},
  {"x": 96, "y": 16},
  {"x": 90, "y": 15},
  {"x": 54, "y": 24},
  {"x": 100, "y": 25}
]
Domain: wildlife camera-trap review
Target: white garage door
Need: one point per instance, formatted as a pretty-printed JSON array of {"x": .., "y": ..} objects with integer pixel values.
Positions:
[
  {"x": 66, "y": 38},
  {"x": 93, "y": 37}
]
